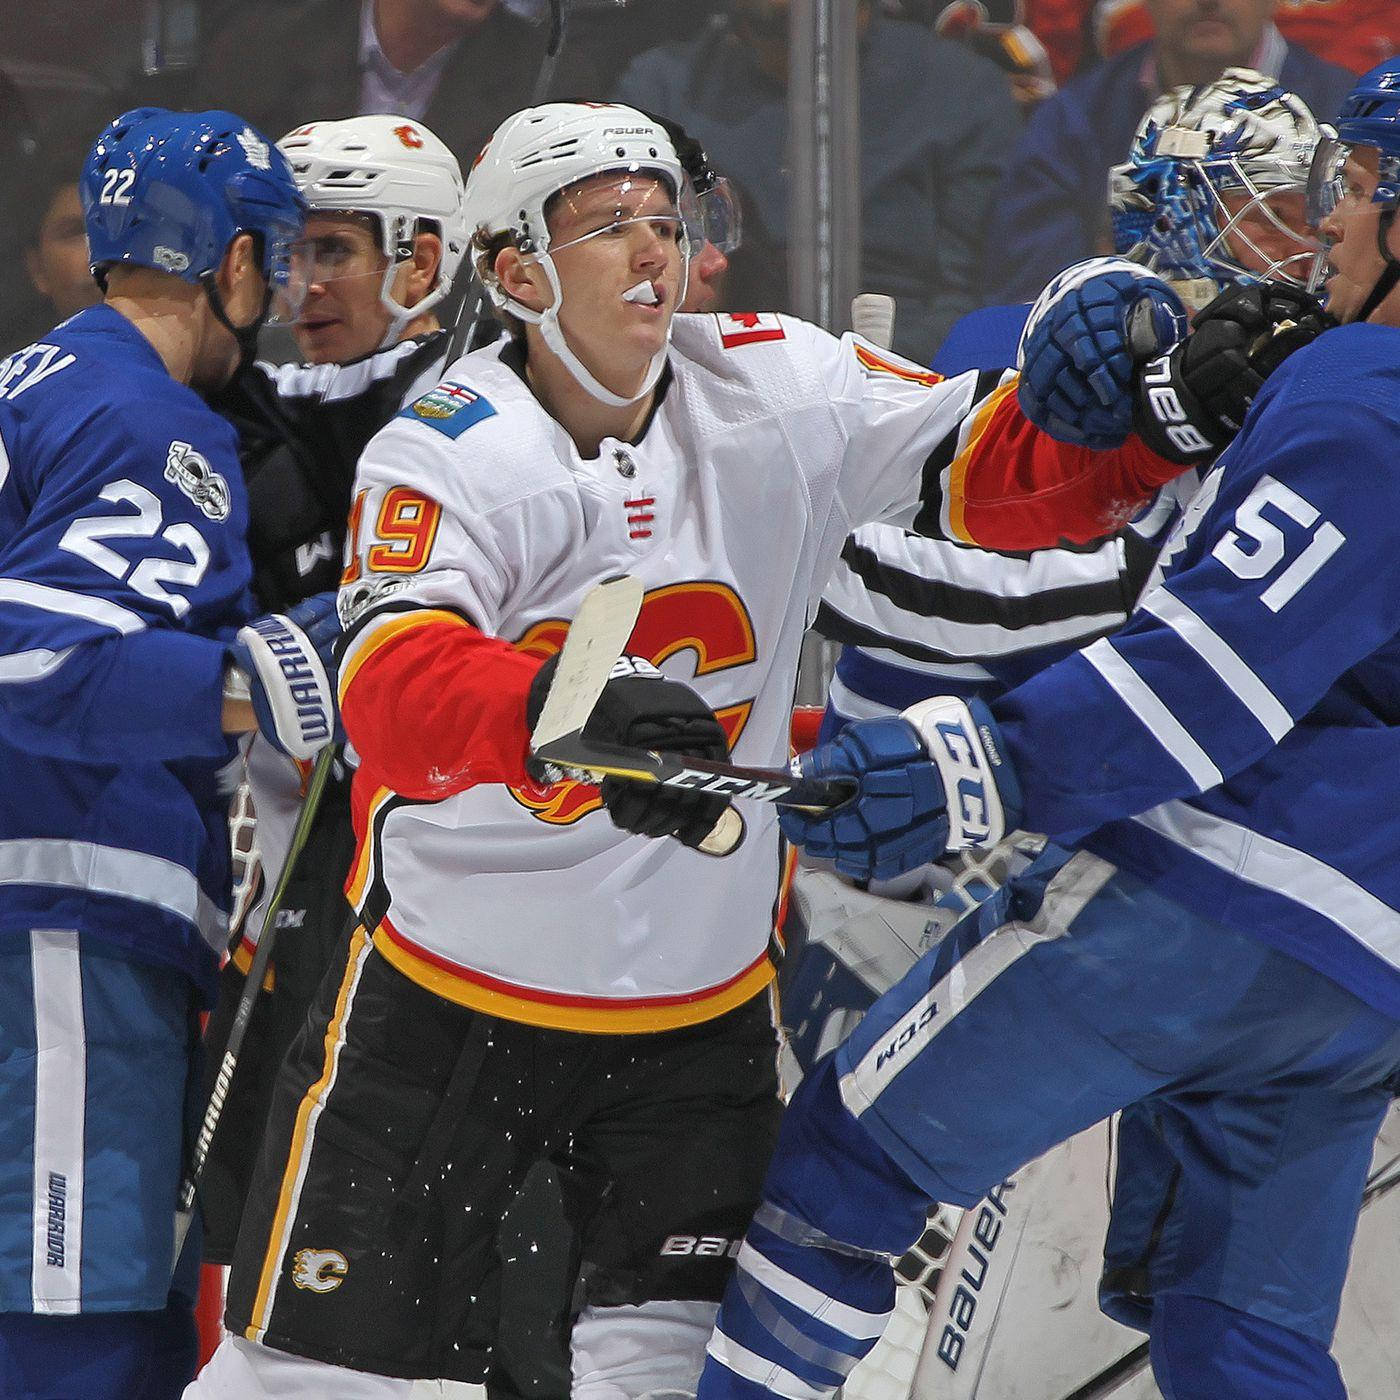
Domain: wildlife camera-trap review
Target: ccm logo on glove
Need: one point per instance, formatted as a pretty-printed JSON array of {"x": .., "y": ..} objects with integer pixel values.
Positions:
[{"x": 967, "y": 761}]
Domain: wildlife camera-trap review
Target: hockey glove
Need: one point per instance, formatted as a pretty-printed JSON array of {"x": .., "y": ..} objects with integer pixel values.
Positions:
[
  {"x": 287, "y": 662},
  {"x": 1086, "y": 334},
  {"x": 640, "y": 708},
  {"x": 1192, "y": 401},
  {"x": 931, "y": 781}
]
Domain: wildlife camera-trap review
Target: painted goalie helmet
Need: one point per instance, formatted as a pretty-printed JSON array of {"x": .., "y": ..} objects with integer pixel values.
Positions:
[
  {"x": 403, "y": 177},
  {"x": 1214, "y": 190},
  {"x": 541, "y": 152}
]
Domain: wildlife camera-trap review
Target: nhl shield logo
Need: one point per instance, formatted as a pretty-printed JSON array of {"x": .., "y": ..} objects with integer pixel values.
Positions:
[{"x": 319, "y": 1270}]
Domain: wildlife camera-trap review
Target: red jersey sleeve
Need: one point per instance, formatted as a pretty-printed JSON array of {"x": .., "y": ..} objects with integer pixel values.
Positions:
[
  {"x": 434, "y": 706},
  {"x": 1012, "y": 486}
]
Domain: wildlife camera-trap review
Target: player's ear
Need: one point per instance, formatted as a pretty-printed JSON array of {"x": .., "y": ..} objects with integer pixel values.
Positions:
[
  {"x": 239, "y": 279},
  {"x": 422, "y": 268},
  {"x": 521, "y": 279}
]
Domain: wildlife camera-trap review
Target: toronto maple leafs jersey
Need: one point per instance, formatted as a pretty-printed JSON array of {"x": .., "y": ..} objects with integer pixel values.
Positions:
[
  {"x": 123, "y": 571},
  {"x": 769, "y": 441},
  {"x": 1237, "y": 743}
]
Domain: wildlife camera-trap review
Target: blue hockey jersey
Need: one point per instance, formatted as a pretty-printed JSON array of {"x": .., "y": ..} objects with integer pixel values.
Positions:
[
  {"x": 1237, "y": 743},
  {"x": 123, "y": 571}
]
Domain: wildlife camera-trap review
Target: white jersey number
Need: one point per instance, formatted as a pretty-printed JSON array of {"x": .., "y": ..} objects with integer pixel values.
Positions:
[
  {"x": 83, "y": 538},
  {"x": 1256, "y": 546}
]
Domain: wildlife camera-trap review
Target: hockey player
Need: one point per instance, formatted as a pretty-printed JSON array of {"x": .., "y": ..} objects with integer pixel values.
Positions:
[
  {"x": 527, "y": 981},
  {"x": 385, "y": 236},
  {"x": 127, "y": 665},
  {"x": 384, "y": 240},
  {"x": 1218, "y": 942}
]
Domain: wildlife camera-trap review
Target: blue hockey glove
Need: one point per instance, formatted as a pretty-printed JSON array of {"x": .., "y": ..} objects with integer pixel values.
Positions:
[
  {"x": 933, "y": 780},
  {"x": 286, "y": 659},
  {"x": 1086, "y": 334}
]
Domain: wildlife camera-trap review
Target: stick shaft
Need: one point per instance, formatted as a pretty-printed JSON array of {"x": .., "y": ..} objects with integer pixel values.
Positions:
[{"x": 252, "y": 984}]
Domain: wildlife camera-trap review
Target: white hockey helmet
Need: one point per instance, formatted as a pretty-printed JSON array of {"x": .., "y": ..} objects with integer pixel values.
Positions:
[
  {"x": 1207, "y": 164},
  {"x": 399, "y": 172},
  {"x": 529, "y": 159}
]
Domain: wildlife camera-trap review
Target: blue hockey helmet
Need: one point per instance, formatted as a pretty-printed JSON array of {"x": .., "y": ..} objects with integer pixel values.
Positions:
[
  {"x": 1212, "y": 192},
  {"x": 171, "y": 190},
  {"x": 1369, "y": 117}
]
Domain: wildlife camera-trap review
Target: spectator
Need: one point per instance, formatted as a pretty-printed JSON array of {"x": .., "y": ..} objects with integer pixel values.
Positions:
[
  {"x": 16, "y": 157},
  {"x": 1358, "y": 34},
  {"x": 1051, "y": 209},
  {"x": 459, "y": 66},
  {"x": 55, "y": 240},
  {"x": 936, "y": 122}
]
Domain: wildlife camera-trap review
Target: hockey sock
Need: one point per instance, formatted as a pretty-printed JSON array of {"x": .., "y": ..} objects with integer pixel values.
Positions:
[
  {"x": 813, "y": 1285},
  {"x": 100, "y": 1356},
  {"x": 1202, "y": 1350}
]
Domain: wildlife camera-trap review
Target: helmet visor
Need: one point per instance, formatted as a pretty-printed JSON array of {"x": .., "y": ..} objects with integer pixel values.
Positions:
[
  {"x": 599, "y": 207},
  {"x": 721, "y": 218},
  {"x": 1327, "y": 178},
  {"x": 287, "y": 279}
]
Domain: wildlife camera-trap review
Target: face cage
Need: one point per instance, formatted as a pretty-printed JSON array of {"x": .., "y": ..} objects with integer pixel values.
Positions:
[{"x": 1195, "y": 235}]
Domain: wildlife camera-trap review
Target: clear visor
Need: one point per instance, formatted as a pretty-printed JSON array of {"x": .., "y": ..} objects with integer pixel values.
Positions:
[
  {"x": 629, "y": 201},
  {"x": 287, "y": 282},
  {"x": 1341, "y": 171},
  {"x": 1327, "y": 178},
  {"x": 721, "y": 216}
]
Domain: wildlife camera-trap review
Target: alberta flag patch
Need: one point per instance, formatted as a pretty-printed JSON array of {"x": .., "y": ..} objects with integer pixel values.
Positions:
[{"x": 451, "y": 408}]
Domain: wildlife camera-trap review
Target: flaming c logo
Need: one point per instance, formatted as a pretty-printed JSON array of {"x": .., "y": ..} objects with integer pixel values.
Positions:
[{"x": 707, "y": 619}]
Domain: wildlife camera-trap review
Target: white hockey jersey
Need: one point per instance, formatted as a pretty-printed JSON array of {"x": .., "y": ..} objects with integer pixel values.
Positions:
[{"x": 770, "y": 441}]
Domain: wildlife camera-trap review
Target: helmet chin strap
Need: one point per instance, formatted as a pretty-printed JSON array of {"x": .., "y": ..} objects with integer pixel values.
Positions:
[
  {"x": 553, "y": 334},
  {"x": 246, "y": 336},
  {"x": 1385, "y": 283},
  {"x": 399, "y": 314}
]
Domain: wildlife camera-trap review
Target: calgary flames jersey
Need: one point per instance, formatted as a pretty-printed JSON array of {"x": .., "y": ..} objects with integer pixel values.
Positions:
[{"x": 476, "y": 519}]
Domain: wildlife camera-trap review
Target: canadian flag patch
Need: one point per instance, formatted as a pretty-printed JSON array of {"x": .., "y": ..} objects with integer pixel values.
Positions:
[{"x": 747, "y": 327}]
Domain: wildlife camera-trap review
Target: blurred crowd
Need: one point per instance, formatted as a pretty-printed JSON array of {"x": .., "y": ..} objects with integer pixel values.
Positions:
[{"x": 988, "y": 127}]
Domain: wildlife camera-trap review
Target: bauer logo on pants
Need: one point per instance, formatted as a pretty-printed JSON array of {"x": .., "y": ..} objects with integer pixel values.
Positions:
[{"x": 319, "y": 1270}]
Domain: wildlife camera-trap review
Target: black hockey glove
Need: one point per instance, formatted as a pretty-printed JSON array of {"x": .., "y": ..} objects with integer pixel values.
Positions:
[
  {"x": 1190, "y": 402},
  {"x": 640, "y": 708}
]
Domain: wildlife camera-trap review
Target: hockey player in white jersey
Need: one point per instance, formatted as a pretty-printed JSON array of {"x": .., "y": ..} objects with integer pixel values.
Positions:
[
  {"x": 528, "y": 981},
  {"x": 1217, "y": 943}
]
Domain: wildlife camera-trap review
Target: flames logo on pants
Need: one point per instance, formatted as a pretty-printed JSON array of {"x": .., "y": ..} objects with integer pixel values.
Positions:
[
  {"x": 319, "y": 1270},
  {"x": 708, "y": 619}
]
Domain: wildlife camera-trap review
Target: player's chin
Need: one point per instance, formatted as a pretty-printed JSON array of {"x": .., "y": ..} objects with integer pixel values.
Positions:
[{"x": 320, "y": 342}]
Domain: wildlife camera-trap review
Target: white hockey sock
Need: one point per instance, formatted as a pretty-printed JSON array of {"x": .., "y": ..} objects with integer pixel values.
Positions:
[{"x": 651, "y": 1350}]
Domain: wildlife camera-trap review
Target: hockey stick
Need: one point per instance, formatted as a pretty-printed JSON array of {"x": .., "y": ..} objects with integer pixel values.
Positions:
[
  {"x": 577, "y": 754},
  {"x": 596, "y": 638},
  {"x": 252, "y": 985}
]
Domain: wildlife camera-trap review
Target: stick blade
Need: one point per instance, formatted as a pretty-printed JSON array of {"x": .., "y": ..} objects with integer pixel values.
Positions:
[{"x": 597, "y": 636}]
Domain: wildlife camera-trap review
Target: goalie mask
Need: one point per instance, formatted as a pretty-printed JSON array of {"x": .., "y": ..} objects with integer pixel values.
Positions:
[
  {"x": 542, "y": 152},
  {"x": 400, "y": 175},
  {"x": 1213, "y": 192}
]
